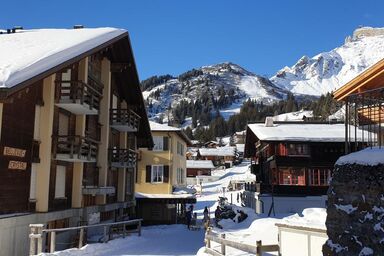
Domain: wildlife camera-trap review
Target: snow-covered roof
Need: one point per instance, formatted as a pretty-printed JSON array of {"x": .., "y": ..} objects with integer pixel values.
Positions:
[
  {"x": 200, "y": 164},
  {"x": 240, "y": 147},
  {"x": 369, "y": 156},
  {"x": 162, "y": 127},
  {"x": 27, "y": 53},
  {"x": 219, "y": 151},
  {"x": 301, "y": 132},
  {"x": 294, "y": 116}
]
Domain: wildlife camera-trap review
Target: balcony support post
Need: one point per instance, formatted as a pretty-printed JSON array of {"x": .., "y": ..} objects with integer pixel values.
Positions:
[
  {"x": 78, "y": 167},
  {"x": 102, "y": 155},
  {"x": 43, "y": 168},
  {"x": 122, "y": 171}
]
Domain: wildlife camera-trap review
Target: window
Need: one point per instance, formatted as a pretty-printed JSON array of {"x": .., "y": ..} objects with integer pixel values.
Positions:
[
  {"x": 180, "y": 149},
  {"x": 298, "y": 149},
  {"x": 158, "y": 141},
  {"x": 180, "y": 176},
  {"x": 319, "y": 177},
  {"x": 60, "y": 182},
  {"x": 292, "y": 177},
  {"x": 157, "y": 173}
]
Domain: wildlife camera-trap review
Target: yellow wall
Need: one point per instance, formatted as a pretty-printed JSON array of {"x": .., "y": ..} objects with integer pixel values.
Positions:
[{"x": 170, "y": 157}]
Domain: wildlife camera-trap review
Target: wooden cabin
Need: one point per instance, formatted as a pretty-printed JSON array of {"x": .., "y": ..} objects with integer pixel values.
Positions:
[
  {"x": 71, "y": 119},
  {"x": 199, "y": 167},
  {"x": 364, "y": 99},
  {"x": 292, "y": 159},
  {"x": 220, "y": 156}
]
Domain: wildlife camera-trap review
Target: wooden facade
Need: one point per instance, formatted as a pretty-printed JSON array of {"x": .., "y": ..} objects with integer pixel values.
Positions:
[
  {"x": 291, "y": 167},
  {"x": 79, "y": 86}
]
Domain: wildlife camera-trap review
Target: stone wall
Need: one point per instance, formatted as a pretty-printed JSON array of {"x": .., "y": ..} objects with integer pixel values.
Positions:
[{"x": 355, "y": 211}]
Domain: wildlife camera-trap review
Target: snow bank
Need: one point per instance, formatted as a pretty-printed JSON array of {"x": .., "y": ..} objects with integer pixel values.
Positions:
[
  {"x": 312, "y": 217},
  {"x": 369, "y": 156}
]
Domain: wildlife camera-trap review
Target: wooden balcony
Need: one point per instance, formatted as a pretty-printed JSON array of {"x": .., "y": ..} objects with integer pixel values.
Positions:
[
  {"x": 122, "y": 158},
  {"x": 74, "y": 148},
  {"x": 93, "y": 190},
  {"x": 78, "y": 97},
  {"x": 124, "y": 120}
]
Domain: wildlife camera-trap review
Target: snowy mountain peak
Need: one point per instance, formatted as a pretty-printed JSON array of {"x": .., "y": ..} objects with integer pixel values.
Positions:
[
  {"x": 220, "y": 86},
  {"x": 328, "y": 71}
]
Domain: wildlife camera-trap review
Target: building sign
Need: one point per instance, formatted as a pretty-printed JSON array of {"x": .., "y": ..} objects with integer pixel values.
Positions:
[
  {"x": 17, "y": 165},
  {"x": 8, "y": 151}
]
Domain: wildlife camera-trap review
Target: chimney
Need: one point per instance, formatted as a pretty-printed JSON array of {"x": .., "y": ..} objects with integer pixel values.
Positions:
[
  {"x": 78, "y": 26},
  {"x": 269, "y": 121}
]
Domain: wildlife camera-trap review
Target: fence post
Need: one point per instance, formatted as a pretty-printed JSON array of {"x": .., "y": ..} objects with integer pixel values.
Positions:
[
  {"x": 207, "y": 237},
  {"x": 81, "y": 238},
  {"x": 139, "y": 227},
  {"x": 123, "y": 230},
  {"x": 258, "y": 248},
  {"x": 32, "y": 241},
  {"x": 53, "y": 242},
  {"x": 223, "y": 245},
  {"x": 40, "y": 238},
  {"x": 105, "y": 234}
]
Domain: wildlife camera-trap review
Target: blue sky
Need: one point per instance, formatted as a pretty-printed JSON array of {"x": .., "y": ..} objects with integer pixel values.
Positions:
[{"x": 173, "y": 36}]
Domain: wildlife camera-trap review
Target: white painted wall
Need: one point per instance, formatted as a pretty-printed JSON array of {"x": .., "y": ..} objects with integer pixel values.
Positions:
[
  {"x": 294, "y": 241},
  {"x": 289, "y": 204}
]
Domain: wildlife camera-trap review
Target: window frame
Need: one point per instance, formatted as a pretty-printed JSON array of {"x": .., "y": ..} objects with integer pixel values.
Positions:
[
  {"x": 155, "y": 169},
  {"x": 158, "y": 143}
]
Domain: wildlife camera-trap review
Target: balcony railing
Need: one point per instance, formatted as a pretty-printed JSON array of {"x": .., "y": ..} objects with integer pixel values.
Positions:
[
  {"x": 122, "y": 158},
  {"x": 93, "y": 190},
  {"x": 124, "y": 120},
  {"x": 75, "y": 148},
  {"x": 365, "y": 116},
  {"x": 78, "y": 97}
]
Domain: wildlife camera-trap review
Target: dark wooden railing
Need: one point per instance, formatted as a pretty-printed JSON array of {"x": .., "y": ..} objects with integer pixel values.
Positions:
[
  {"x": 364, "y": 120},
  {"x": 122, "y": 157},
  {"x": 78, "y": 91},
  {"x": 76, "y": 146},
  {"x": 124, "y": 117},
  {"x": 252, "y": 187}
]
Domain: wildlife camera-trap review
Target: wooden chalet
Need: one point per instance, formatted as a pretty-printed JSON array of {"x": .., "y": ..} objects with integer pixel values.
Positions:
[
  {"x": 71, "y": 119},
  {"x": 199, "y": 167},
  {"x": 364, "y": 115},
  {"x": 293, "y": 158}
]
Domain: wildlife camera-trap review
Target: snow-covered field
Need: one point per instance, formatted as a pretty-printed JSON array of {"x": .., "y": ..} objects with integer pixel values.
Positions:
[{"x": 178, "y": 240}]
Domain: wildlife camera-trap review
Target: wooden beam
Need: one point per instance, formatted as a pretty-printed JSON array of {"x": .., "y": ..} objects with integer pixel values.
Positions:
[{"x": 120, "y": 67}]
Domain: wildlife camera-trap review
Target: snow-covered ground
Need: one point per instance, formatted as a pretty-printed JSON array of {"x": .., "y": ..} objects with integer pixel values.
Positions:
[{"x": 178, "y": 240}]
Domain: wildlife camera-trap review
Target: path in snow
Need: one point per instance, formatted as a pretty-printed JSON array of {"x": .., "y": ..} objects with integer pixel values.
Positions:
[{"x": 178, "y": 240}]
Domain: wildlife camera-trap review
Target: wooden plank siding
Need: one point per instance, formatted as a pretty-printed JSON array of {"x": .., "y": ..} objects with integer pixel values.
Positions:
[{"x": 17, "y": 132}]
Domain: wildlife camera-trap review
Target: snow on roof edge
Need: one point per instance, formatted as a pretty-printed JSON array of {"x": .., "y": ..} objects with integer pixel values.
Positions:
[
  {"x": 369, "y": 157},
  {"x": 53, "y": 56}
]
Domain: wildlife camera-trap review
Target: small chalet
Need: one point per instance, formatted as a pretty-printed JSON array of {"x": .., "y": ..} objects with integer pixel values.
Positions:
[
  {"x": 220, "y": 156},
  {"x": 292, "y": 159},
  {"x": 199, "y": 167}
]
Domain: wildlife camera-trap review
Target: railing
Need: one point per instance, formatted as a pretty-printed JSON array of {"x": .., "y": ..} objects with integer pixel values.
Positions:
[
  {"x": 37, "y": 234},
  {"x": 76, "y": 146},
  {"x": 124, "y": 117},
  {"x": 75, "y": 91},
  {"x": 257, "y": 249},
  {"x": 364, "y": 120},
  {"x": 122, "y": 157}
]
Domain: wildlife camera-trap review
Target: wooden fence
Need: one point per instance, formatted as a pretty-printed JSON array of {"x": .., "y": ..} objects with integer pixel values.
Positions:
[
  {"x": 257, "y": 249},
  {"x": 37, "y": 233}
]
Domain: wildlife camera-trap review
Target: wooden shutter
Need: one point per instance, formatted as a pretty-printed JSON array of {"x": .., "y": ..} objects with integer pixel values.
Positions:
[
  {"x": 166, "y": 173},
  {"x": 165, "y": 143},
  {"x": 148, "y": 173}
]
